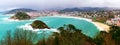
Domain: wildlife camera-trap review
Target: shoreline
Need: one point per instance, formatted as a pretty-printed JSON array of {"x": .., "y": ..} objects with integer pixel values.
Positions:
[
  {"x": 63, "y": 16},
  {"x": 100, "y": 26}
]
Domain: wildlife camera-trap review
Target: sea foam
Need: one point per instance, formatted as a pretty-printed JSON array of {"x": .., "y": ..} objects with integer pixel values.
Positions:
[{"x": 29, "y": 27}]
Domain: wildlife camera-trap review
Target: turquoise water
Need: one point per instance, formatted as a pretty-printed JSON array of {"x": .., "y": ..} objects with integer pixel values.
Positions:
[{"x": 87, "y": 28}]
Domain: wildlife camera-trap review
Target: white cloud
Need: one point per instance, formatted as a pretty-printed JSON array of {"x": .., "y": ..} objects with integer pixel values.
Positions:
[{"x": 45, "y": 4}]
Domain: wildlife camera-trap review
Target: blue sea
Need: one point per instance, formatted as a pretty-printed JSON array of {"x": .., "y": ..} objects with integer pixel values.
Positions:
[{"x": 87, "y": 27}]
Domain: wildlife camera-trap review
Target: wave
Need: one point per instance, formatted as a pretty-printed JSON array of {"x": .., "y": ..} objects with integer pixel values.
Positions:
[
  {"x": 9, "y": 14},
  {"x": 29, "y": 27},
  {"x": 15, "y": 20},
  {"x": 7, "y": 19}
]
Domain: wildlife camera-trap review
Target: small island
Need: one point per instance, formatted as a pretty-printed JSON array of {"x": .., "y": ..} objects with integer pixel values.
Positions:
[
  {"x": 21, "y": 16},
  {"x": 37, "y": 24}
]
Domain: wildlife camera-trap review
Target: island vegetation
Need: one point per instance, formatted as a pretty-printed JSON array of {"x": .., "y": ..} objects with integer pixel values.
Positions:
[
  {"x": 37, "y": 24},
  {"x": 21, "y": 16}
]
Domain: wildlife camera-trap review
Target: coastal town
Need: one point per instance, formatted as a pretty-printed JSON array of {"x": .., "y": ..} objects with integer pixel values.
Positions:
[{"x": 108, "y": 17}]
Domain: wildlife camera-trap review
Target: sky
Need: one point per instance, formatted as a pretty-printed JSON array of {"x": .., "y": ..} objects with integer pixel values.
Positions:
[{"x": 53, "y": 4}]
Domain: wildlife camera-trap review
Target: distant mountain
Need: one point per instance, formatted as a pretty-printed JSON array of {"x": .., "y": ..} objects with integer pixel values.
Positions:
[
  {"x": 84, "y": 9},
  {"x": 20, "y": 10}
]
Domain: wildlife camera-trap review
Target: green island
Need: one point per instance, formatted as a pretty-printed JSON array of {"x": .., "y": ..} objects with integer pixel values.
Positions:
[
  {"x": 21, "y": 16},
  {"x": 37, "y": 24}
]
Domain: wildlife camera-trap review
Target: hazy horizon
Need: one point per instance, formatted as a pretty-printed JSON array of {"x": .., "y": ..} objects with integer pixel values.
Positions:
[{"x": 56, "y": 4}]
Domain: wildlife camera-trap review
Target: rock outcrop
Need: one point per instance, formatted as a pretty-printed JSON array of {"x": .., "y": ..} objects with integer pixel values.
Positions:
[{"x": 37, "y": 24}]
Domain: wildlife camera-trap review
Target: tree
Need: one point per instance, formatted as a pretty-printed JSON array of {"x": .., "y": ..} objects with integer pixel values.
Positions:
[
  {"x": 20, "y": 37},
  {"x": 115, "y": 32}
]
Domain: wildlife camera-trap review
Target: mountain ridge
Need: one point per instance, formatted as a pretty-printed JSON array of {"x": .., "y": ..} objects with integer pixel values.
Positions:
[
  {"x": 13, "y": 11},
  {"x": 87, "y": 9}
]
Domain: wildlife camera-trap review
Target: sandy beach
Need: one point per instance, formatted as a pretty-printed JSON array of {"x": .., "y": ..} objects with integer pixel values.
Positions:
[{"x": 102, "y": 27}]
